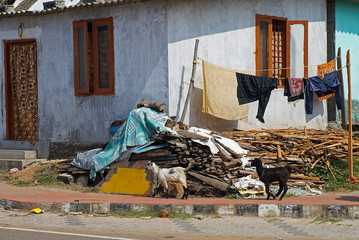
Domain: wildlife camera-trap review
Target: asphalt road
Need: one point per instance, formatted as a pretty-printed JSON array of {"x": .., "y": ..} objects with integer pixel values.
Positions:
[{"x": 24, "y": 226}]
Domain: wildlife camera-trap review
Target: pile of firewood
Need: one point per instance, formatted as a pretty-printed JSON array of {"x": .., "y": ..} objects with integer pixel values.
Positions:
[
  {"x": 303, "y": 149},
  {"x": 213, "y": 175}
]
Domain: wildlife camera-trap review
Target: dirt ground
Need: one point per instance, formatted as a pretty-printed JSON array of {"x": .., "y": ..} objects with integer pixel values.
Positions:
[{"x": 32, "y": 175}]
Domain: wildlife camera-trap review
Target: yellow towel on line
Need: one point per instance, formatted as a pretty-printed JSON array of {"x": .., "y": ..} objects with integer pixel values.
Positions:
[{"x": 220, "y": 93}]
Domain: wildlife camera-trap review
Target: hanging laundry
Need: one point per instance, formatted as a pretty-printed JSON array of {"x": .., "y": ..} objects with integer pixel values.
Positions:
[
  {"x": 296, "y": 86},
  {"x": 294, "y": 89},
  {"x": 220, "y": 93},
  {"x": 322, "y": 87},
  {"x": 323, "y": 69},
  {"x": 253, "y": 88},
  {"x": 326, "y": 68}
]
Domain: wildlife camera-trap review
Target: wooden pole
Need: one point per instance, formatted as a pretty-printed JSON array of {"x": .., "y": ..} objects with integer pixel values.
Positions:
[
  {"x": 351, "y": 178},
  {"x": 340, "y": 76},
  {"x": 191, "y": 85}
]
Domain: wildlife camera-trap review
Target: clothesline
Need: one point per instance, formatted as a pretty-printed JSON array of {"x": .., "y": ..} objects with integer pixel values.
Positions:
[
  {"x": 225, "y": 89},
  {"x": 262, "y": 70}
]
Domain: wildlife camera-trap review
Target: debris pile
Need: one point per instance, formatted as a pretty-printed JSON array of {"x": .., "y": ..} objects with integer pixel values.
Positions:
[
  {"x": 217, "y": 165},
  {"x": 303, "y": 149},
  {"x": 208, "y": 175},
  {"x": 212, "y": 175}
]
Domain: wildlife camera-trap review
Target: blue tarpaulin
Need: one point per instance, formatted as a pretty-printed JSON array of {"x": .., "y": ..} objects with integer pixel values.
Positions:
[{"x": 141, "y": 124}]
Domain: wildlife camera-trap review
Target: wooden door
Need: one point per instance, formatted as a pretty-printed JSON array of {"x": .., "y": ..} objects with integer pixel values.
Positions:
[{"x": 22, "y": 120}]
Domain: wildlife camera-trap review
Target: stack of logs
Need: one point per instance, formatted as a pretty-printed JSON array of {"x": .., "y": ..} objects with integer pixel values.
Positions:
[
  {"x": 303, "y": 149},
  {"x": 212, "y": 175}
]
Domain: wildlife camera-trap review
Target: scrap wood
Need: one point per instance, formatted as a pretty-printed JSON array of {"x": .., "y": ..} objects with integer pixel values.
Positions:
[
  {"x": 192, "y": 135},
  {"x": 303, "y": 148},
  {"x": 231, "y": 164},
  {"x": 222, "y": 153},
  {"x": 279, "y": 150},
  {"x": 228, "y": 149},
  {"x": 326, "y": 162},
  {"x": 304, "y": 177},
  {"x": 210, "y": 181}
]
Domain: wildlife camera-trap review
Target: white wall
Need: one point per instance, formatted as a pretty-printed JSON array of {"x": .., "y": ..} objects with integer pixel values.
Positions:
[
  {"x": 140, "y": 45},
  {"x": 226, "y": 34}
]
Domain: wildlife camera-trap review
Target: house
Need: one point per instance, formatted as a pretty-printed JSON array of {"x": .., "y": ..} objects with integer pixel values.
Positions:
[
  {"x": 343, "y": 32},
  {"x": 68, "y": 69}
]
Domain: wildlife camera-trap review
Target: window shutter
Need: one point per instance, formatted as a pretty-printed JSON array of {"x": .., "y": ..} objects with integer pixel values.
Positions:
[
  {"x": 103, "y": 56},
  {"x": 81, "y": 60},
  {"x": 297, "y": 48}
]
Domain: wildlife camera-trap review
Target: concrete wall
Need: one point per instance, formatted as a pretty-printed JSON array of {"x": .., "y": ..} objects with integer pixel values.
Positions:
[
  {"x": 227, "y": 38},
  {"x": 140, "y": 40},
  {"x": 347, "y": 37}
]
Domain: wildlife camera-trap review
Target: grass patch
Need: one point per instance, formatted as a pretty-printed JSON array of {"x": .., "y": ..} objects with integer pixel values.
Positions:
[
  {"x": 38, "y": 174},
  {"x": 22, "y": 183},
  {"x": 233, "y": 196},
  {"x": 326, "y": 220},
  {"x": 137, "y": 214},
  {"x": 288, "y": 195},
  {"x": 275, "y": 219},
  {"x": 46, "y": 174},
  {"x": 340, "y": 170}
]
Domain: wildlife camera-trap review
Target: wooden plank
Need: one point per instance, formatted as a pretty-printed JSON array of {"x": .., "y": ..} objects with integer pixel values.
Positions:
[
  {"x": 279, "y": 151},
  {"x": 232, "y": 164},
  {"x": 304, "y": 177}
]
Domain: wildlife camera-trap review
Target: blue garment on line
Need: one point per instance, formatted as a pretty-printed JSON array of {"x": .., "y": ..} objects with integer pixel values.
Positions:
[
  {"x": 329, "y": 84},
  {"x": 252, "y": 88}
]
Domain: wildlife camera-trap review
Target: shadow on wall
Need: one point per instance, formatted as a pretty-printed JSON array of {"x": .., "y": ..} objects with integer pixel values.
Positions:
[
  {"x": 181, "y": 95},
  {"x": 318, "y": 109},
  {"x": 197, "y": 118}
]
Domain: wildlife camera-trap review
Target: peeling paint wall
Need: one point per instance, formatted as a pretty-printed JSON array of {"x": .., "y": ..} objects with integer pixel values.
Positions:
[
  {"x": 154, "y": 42},
  {"x": 226, "y": 33},
  {"x": 140, "y": 47}
]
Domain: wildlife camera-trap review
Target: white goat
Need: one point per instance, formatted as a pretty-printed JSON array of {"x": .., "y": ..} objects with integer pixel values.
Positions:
[{"x": 164, "y": 175}]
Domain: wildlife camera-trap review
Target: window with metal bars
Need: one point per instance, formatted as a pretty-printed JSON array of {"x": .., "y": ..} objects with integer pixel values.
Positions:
[
  {"x": 278, "y": 50},
  {"x": 273, "y": 35}
]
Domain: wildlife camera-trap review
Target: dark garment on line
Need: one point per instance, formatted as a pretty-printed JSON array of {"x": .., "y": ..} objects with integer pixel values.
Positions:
[
  {"x": 253, "y": 88},
  {"x": 287, "y": 92},
  {"x": 329, "y": 84}
]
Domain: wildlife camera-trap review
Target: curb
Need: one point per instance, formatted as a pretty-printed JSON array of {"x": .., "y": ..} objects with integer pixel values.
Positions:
[{"x": 249, "y": 210}]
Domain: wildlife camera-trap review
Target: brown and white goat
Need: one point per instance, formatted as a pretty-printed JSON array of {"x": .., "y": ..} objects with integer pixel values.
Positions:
[{"x": 165, "y": 175}]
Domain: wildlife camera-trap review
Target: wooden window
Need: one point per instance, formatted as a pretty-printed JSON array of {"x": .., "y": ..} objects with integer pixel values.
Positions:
[
  {"x": 273, "y": 50},
  {"x": 94, "y": 57}
]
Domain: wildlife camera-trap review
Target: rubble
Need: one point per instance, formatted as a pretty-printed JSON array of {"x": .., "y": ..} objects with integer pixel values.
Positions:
[
  {"x": 212, "y": 175},
  {"x": 220, "y": 160}
]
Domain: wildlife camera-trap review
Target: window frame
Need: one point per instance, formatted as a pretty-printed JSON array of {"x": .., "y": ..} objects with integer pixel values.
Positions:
[
  {"x": 269, "y": 21},
  {"x": 305, "y": 24},
  {"x": 97, "y": 91}
]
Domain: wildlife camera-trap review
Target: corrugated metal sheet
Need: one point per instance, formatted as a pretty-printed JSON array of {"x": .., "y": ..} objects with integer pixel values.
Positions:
[
  {"x": 24, "y": 5},
  {"x": 68, "y": 8}
]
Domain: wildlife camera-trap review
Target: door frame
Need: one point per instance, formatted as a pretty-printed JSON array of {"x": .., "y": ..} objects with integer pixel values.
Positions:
[{"x": 8, "y": 91}]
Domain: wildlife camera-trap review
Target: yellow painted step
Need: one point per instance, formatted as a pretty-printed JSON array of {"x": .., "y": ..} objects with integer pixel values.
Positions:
[{"x": 127, "y": 181}]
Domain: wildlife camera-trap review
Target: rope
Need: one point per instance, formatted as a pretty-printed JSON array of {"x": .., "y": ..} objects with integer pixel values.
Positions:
[{"x": 263, "y": 70}]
